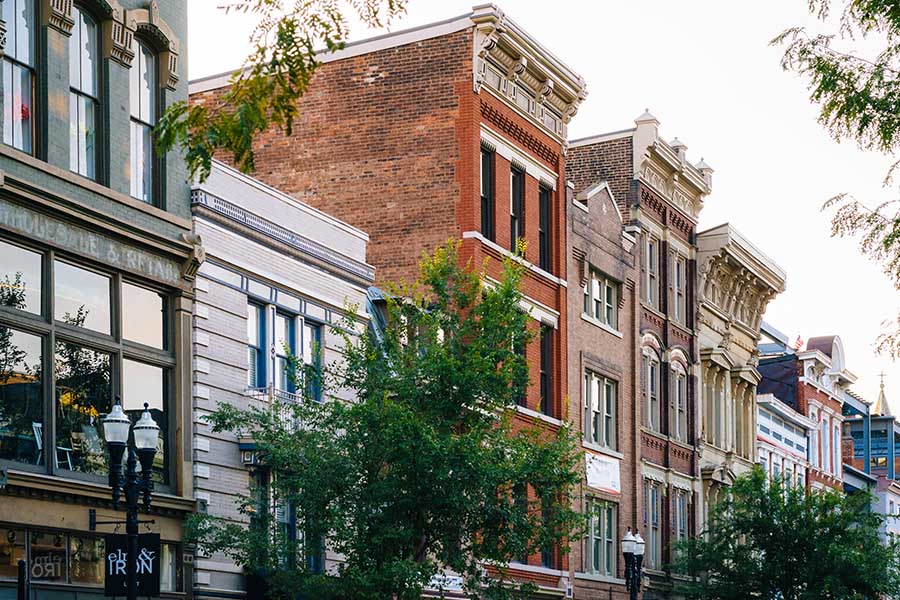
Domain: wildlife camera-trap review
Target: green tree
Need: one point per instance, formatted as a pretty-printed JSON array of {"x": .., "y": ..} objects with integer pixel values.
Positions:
[
  {"x": 858, "y": 94},
  {"x": 773, "y": 541},
  {"x": 284, "y": 56},
  {"x": 425, "y": 473}
]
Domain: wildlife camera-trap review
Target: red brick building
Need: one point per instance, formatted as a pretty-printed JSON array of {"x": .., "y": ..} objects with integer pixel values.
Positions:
[
  {"x": 659, "y": 195},
  {"x": 451, "y": 130}
]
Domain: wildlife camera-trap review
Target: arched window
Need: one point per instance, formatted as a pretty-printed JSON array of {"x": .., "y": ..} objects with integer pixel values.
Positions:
[
  {"x": 650, "y": 363},
  {"x": 679, "y": 402},
  {"x": 84, "y": 86},
  {"x": 18, "y": 74},
  {"x": 144, "y": 101},
  {"x": 813, "y": 443},
  {"x": 826, "y": 447},
  {"x": 836, "y": 446}
]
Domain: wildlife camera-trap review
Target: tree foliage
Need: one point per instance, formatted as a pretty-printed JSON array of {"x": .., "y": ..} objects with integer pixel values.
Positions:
[
  {"x": 859, "y": 99},
  {"x": 425, "y": 473},
  {"x": 285, "y": 54},
  {"x": 773, "y": 541}
]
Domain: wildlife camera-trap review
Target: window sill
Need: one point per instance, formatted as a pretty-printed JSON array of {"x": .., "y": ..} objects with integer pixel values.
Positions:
[
  {"x": 538, "y": 415},
  {"x": 602, "y": 325},
  {"x": 599, "y": 578},
  {"x": 602, "y": 449},
  {"x": 477, "y": 235}
]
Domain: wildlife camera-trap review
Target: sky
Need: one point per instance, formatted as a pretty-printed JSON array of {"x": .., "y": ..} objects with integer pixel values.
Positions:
[{"x": 706, "y": 70}]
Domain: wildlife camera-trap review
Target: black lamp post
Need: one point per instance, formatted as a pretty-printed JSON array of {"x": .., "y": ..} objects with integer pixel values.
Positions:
[
  {"x": 628, "y": 553},
  {"x": 636, "y": 574},
  {"x": 116, "y": 428}
]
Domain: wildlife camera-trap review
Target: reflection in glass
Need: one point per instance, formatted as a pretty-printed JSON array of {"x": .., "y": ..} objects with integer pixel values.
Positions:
[
  {"x": 86, "y": 560},
  {"x": 145, "y": 383},
  {"x": 143, "y": 317},
  {"x": 12, "y": 550},
  {"x": 21, "y": 401},
  {"x": 17, "y": 65},
  {"x": 82, "y": 297},
  {"x": 83, "y": 395},
  {"x": 284, "y": 346},
  {"x": 48, "y": 556},
  {"x": 20, "y": 278}
]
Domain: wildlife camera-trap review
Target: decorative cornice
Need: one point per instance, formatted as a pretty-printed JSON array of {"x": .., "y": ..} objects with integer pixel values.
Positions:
[
  {"x": 149, "y": 23},
  {"x": 518, "y": 134},
  {"x": 58, "y": 15},
  {"x": 118, "y": 36}
]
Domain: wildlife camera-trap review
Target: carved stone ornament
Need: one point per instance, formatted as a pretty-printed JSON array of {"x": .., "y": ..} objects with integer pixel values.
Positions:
[
  {"x": 150, "y": 23},
  {"x": 58, "y": 15},
  {"x": 118, "y": 38},
  {"x": 190, "y": 266}
]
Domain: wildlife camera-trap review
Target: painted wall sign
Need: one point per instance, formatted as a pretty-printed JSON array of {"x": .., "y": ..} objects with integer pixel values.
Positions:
[
  {"x": 116, "y": 565},
  {"x": 603, "y": 473},
  {"x": 83, "y": 242}
]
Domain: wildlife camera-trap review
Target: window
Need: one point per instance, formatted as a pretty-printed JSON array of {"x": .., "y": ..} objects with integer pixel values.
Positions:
[
  {"x": 651, "y": 271},
  {"x": 813, "y": 443},
  {"x": 91, "y": 336},
  {"x": 679, "y": 404},
  {"x": 546, "y": 522},
  {"x": 516, "y": 207},
  {"x": 652, "y": 518},
  {"x": 764, "y": 463},
  {"x": 18, "y": 74},
  {"x": 601, "y": 299},
  {"x": 826, "y": 447},
  {"x": 650, "y": 376},
  {"x": 544, "y": 238},
  {"x": 600, "y": 410},
  {"x": 682, "y": 515},
  {"x": 600, "y": 539},
  {"x": 256, "y": 341},
  {"x": 546, "y": 369},
  {"x": 143, "y": 118},
  {"x": 83, "y": 95},
  {"x": 836, "y": 447},
  {"x": 285, "y": 346},
  {"x": 520, "y": 348},
  {"x": 487, "y": 194},
  {"x": 679, "y": 289}
]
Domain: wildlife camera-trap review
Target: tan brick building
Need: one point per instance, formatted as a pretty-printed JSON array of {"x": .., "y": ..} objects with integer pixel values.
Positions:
[
  {"x": 451, "y": 130},
  {"x": 660, "y": 194}
]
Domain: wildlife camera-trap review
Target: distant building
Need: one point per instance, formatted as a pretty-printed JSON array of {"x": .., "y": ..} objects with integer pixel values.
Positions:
[
  {"x": 279, "y": 275},
  {"x": 782, "y": 440}
]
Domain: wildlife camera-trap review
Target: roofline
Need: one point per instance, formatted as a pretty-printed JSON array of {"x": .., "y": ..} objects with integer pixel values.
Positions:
[
  {"x": 772, "y": 402},
  {"x": 602, "y": 137},
  {"x": 742, "y": 241}
]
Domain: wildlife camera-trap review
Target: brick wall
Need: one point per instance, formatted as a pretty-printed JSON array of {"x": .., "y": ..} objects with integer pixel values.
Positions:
[{"x": 610, "y": 161}]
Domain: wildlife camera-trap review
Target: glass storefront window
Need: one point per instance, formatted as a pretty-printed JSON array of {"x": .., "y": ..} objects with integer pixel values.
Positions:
[
  {"x": 83, "y": 395},
  {"x": 143, "y": 383},
  {"x": 47, "y": 556},
  {"x": 86, "y": 560},
  {"x": 82, "y": 297},
  {"x": 143, "y": 316},
  {"x": 12, "y": 550},
  {"x": 20, "y": 278},
  {"x": 21, "y": 398}
]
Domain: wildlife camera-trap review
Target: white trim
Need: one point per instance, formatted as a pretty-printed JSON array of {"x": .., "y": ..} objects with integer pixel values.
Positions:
[
  {"x": 600, "y": 449},
  {"x": 602, "y": 137},
  {"x": 375, "y": 44},
  {"x": 476, "y": 235},
  {"x": 513, "y": 153},
  {"x": 535, "y": 569},
  {"x": 600, "y": 578},
  {"x": 601, "y": 325},
  {"x": 538, "y": 415}
]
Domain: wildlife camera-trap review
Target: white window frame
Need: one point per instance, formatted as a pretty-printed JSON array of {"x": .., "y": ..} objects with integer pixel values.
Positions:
[
  {"x": 651, "y": 378},
  {"x": 653, "y": 523},
  {"x": 679, "y": 402},
  {"x": 601, "y": 396},
  {"x": 600, "y": 552},
  {"x": 601, "y": 299},
  {"x": 651, "y": 271}
]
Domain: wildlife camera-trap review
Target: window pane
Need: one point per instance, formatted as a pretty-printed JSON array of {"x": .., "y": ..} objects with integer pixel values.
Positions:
[
  {"x": 12, "y": 542},
  {"x": 143, "y": 83},
  {"x": 143, "y": 383},
  {"x": 143, "y": 315},
  {"x": 310, "y": 343},
  {"x": 17, "y": 106},
  {"x": 23, "y": 22},
  {"x": 284, "y": 326},
  {"x": 83, "y": 395},
  {"x": 168, "y": 569},
  {"x": 21, "y": 400},
  {"x": 82, "y": 297},
  {"x": 48, "y": 556},
  {"x": 86, "y": 560},
  {"x": 87, "y": 139},
  {"x": 83, "y": 54},
  {"x": 253, "y": 324},
  {"x": 20, "y": 278}
]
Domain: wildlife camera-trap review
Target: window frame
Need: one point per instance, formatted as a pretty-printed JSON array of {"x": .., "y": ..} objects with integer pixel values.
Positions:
[
  {"x": 601, "y": 299},
  {"x": 599, "y": 514},
  {"x": 652, "y": 523},
  {"x": 75, "y": 91},
  {"x": 679, "y": 402},
  {"x": 155, "y": 163},
  {"x": 488, "y": 193},
  {"x": 545, "y": 236},
  {"x": 679, "y": 288},
  {"x": 651, "y": 367},
  {"x": 516, "y": 207},
  {"x": 15, "y": 62},
  {"x": 546, "y": 370},
  {"x": 53, "y": 332},
  {"x": 600, "y": 417},
  {"x": 651, "y": 270}
]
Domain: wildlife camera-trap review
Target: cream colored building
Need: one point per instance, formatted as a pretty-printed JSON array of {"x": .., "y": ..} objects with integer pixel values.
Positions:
[{"x": 736, "y": 282}]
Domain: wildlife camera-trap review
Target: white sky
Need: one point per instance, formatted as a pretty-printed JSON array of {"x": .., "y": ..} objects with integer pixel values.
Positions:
[{"x": 705, "y": 69}]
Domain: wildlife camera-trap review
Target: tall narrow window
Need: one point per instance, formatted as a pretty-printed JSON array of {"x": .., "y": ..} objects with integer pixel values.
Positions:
[
  {"x": 487, "y": 194},
  {"x": 256, "y": 341},
  {"x": 312, "y": 352},
  {"x": 813, "y": 443},
  {"x": 143, "y": 118},
  {"x": 651, "y": 271},
  {"x": 826, "y": 447},
  {"x": 546, "y": 369},
  {"x": 520, "y": 347},
  {"x": 600, "y": 541},
  {"x": 285, "y": 346},
  {"x": 651, "y": 392},
  {"x": 18, "y": 74},
  {"x": 83, "y": 94},
  {"x": 652, "y": 518},
  {"x": 836, "y": 445},
  {"x": 679, "y": 289},
  {"x": 679, "y": 404},
  {"x": 544, "y": 240},
  {"x": 547, "y": 521},
  {"x": 516, "y": 207},
  {"x": 681, "y": 516}
]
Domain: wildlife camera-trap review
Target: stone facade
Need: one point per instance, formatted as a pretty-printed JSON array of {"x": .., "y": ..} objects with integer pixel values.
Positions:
[
  {"x": 277, "y": 270},
  {"x": 455, "y": 130},
  {"x": 660, "y": 194},
  {"x": 102, "y": 304},
  {"x": 736, "y": 282}
]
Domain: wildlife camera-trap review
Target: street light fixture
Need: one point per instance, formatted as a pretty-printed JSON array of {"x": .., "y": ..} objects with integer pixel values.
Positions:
[
  {"x": 639, "y": 547},
  {"x": 628, "y": 553},
  {"x": 145, "y": 435}
]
